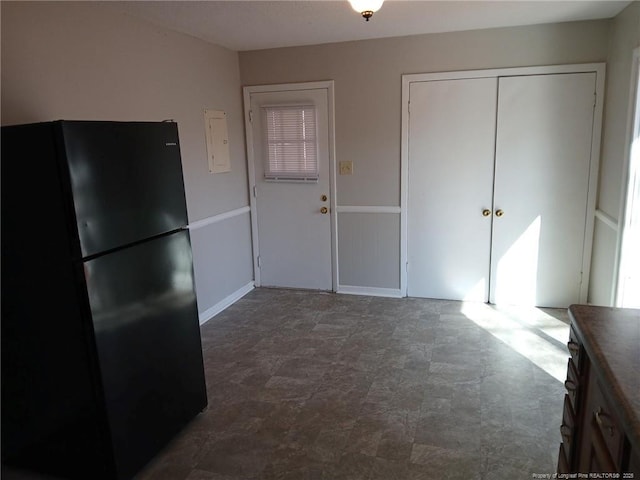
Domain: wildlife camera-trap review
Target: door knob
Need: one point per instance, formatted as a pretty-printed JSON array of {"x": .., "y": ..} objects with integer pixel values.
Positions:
[
  {"x": 499, "y": 213},
  {"x": 324, "y": 210},
  {"x": 486, "y": 212}
]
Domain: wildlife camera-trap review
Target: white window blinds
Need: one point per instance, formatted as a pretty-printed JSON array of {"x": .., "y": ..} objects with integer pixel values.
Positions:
[{"x": 291, "y": 145}]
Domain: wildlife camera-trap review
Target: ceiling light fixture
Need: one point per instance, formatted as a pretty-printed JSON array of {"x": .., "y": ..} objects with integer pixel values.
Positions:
[{"x": 366, "y": 8}]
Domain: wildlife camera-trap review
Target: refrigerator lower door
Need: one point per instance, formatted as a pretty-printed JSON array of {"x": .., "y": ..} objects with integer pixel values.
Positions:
[{"x": 147, "y": 336}]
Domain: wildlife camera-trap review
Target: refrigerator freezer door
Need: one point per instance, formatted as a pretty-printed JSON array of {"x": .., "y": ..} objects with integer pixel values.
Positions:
[
  {"x": 147, "y": 335},
  {"x": 126, "y": 180}
]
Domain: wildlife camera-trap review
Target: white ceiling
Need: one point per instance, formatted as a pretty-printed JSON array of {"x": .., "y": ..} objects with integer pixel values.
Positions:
[{"x": 252, "y": 25}]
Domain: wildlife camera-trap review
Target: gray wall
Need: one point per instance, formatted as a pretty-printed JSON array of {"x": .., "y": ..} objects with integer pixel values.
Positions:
[
  {"x": 367, "y": 78},
  {"x": 84, "y": 61},
  {"x": 625, "y": 36}
]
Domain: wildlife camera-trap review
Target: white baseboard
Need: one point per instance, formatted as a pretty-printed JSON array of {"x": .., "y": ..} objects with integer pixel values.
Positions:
[
  {"x": 372, "y": 291},
  {"x": 209, "y": 313}
]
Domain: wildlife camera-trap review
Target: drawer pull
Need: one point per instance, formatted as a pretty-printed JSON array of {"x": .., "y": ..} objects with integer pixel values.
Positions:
[
  {"x": 570, "y": 385},
  {"x": 574, "y": 348},
  {"x": 599, "y": 414}
]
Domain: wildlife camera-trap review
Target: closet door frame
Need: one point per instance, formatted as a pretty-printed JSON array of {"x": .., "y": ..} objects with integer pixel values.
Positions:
[{"x": 408, "y": 79}]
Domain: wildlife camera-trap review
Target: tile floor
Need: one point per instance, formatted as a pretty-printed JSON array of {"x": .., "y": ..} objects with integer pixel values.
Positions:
[{"x": 306, "y": 385}]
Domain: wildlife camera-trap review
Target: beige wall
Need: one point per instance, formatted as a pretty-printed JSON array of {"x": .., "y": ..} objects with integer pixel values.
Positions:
[
  {"x": 81, "y": 60},
  {"x": 85, "y": 61},
  {"x": 367, "y": 78},
  {"x": 624, "y": 37}
]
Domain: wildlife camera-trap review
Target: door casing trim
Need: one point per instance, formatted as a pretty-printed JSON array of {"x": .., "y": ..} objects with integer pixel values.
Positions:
[
  {"x": 408, "y": 79},
  {"x": 285, "y": 87},
  {"x": 634, "y": 99}
]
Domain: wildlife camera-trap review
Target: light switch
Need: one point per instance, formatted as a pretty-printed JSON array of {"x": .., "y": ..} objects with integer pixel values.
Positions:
[{"x": 346, "y": 168}]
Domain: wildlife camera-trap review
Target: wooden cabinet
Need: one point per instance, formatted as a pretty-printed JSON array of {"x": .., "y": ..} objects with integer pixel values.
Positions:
[
  {"x": 571, "y": 422},
  {"x": 600, "y": 422},
  {"x": 600, "y": 446},
  {"x": 568, "y": 431},
  {"x": 633, "y": 465}
]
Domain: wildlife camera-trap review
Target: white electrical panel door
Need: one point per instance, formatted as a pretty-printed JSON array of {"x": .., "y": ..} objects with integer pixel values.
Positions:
[{"x": 217, "y": 141}]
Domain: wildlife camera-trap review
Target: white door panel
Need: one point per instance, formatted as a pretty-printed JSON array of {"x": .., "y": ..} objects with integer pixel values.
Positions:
[
  {"x": 543, "y": 152},
  {"x": 516, "y": 144},
  {"x": 451, "y": 152},
  {"x": 294, "y": 237}
]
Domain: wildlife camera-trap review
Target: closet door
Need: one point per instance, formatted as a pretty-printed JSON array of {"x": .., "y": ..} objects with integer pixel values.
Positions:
[
  {"x": 451, "y": 152},
  {"x": 543, "y": 151}
]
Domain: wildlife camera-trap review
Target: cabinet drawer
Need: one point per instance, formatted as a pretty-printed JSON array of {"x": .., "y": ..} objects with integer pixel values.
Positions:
[
  {"x": 572, "y": 384},
  {"x": 598, "y": 455},
  {"x": 568, "y": 428},
  {"x": 563, "y": 460},
  {"x": 606, "y": 423},
  {"x": 575, "y": 349}
]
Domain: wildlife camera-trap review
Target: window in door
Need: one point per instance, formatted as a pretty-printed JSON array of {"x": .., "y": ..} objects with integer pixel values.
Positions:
[{"x": 291, "y": 143}]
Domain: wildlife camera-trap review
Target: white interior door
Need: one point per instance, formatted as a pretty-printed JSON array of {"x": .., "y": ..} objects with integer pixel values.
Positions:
[
  {"x": 293, "y": 217},
  {"x": 543, "y": 153},
  {"x": 450, "y": 165}
]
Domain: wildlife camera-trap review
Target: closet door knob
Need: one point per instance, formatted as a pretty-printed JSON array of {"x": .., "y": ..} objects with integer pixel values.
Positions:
[
  {"x": 486, "y": 212},
  {"x": 499, "y": 213}
]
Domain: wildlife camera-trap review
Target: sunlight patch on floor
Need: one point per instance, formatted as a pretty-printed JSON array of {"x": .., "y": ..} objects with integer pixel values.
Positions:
[{"x": 536, "y": 335}]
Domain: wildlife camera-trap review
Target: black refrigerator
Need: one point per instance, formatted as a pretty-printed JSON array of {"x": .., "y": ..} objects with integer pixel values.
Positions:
[{"x": 101, "y": 351}]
